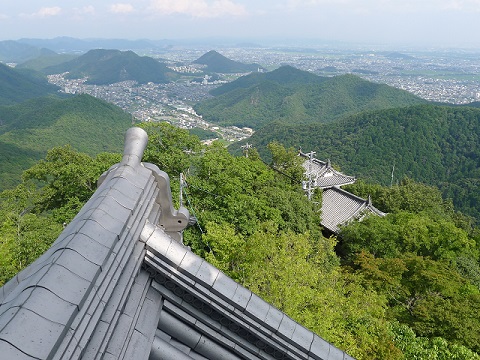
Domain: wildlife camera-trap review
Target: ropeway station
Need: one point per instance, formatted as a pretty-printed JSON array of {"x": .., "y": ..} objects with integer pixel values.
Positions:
[{"x": 118, "y": 283}]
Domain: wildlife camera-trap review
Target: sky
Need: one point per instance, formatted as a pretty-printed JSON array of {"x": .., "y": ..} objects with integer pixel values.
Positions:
[{"x": 435, "y": 23}]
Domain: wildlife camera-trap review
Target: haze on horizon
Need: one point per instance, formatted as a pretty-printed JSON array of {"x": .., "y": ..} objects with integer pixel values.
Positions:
[{"x": 435, "y": 23}]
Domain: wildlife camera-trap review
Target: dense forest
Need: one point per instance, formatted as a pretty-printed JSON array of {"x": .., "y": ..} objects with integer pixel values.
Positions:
[
  {"x": 29, "y": 129},
  {"x": 406, "y": 286},
  {"x": 431, "y": 144},
  {"x": 18, "y": 85},
  {"x": 293, "y": 96}
]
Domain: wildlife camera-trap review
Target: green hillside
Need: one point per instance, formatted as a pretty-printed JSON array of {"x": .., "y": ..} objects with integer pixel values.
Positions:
[
  {"x": 433, "y": 144},
  {"x": 17, "y": 52},
  {"x": 29, "y": 129},
  {"x": 44, "y": 61},
  {"x": 218, "y": 63},
  {"x": 295, "y": 96},
  {"x": 111, "y": 66},
  {"x": 20, "y": 85}
]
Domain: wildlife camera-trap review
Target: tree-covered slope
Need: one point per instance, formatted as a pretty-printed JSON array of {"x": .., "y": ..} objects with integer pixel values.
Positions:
[
  {"x": 20, "y": 85},
  {"x": 17, "y": 52},
  {"x": 294, "y": 96},
  {"x": 45, "y": 61},
  {"x": 218, "y": 63},
  {"x": 432, "y": 144},
  {"x": 29, "y": 129},
  {"x": 111, "y": 66}
]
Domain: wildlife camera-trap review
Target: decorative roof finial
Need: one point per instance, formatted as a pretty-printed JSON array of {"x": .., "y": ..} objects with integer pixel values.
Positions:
[{"x": 135, "y": 143}]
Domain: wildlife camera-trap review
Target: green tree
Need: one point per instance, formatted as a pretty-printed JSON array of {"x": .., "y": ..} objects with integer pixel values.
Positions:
[
  {"x": 429, "y": 296},
  {"x": 303, "y": 278},
  {"x": 245, "y": 192},
  {"x": 170, "y": 148},
  {"x": 287, "y": 162},
  {"x": 67, "y": 179},
  {"x": 402, "y": 232},
  {"x": 24, "y": 236},
  {"x": 423, "y": 348}
]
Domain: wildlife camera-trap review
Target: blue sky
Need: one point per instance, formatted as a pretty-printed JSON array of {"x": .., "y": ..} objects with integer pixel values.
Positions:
[{"x": 444, "y": 23}]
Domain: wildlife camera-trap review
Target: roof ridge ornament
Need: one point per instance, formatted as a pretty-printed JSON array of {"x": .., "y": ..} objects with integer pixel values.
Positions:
[{"x": 136, "y": 140}]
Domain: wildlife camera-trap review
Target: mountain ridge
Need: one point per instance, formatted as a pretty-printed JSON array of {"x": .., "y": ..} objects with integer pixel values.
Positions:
[
  {"x": 216, "y": 62},
  {"x": 103, "y": 67},
  {"x": 433, "y": 144},
  {"x": 292, "y": 95},
  {"x": 20, "y": 85},
  {"x": 28, "y": 130},
  {"x": 17, "y": 52}
]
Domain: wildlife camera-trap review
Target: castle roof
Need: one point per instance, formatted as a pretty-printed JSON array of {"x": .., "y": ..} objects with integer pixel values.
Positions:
[
  {"x": 323, "y": 174},
  {"x": 340, "y": 207}
]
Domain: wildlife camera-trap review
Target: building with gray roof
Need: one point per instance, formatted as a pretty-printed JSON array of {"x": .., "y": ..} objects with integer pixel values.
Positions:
[
  {"x": 322, "y": 174},
  {"x": 339, "y": 207},
  {"x": 118, "y": 283}
]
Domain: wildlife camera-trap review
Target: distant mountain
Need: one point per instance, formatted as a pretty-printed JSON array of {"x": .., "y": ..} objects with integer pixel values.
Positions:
[
  {"x": 72, "y": 45},
  {"x": 397, "y": 55},
  {"x": 44, "y": 61},
  {"x": 111, "y": 66},
  {"x": 295, "y": 96},
  {"x": 29, "y": 129},
  {"x": 20, "y": 85},
  {"x": 16, "y": 52},
  {"x": 437, "y": 145},
  {"x": 218, "y": 63}
]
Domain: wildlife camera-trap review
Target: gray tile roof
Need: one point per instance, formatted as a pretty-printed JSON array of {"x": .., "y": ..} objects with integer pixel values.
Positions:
[
  {"x": 323, "y": 174},
  {"x": 339, "y": 207},
  {"x": 119, "y": 284}
]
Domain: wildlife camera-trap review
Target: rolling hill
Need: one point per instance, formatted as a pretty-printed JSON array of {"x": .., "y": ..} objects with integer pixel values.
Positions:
[
  {"x": 65, "y": 44},
  {"x": 111, "y": 66},
  {"x": 295, "y": 96},
  {"x": 16, "y": 52},
  {"x": 216, "y": 62},
  {"x": 20, "y": 85},
  {"x": 29, "y": 129},
  {"x": 44, "y": 61},
  {"x": 433, "y": 144}
]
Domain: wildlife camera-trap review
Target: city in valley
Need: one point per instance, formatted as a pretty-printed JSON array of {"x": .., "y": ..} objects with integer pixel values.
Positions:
[{"x": 441, "y": 76}]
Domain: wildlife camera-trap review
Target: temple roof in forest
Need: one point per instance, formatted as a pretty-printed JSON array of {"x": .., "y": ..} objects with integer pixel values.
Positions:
[
  {"x": 322, "y": 173},
  {"x": 339, "y": 207}
]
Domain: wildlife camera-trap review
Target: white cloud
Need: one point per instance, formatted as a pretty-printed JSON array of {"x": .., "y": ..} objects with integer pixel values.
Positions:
[
  {"x": 375, "y": 6},
  {"x": 86, "y": 10},
  {"x": 49, "y": 11},
  {"x": 198, "y": 8},
  {"x": 121, "y": 8},
  {"x": 44, "y": 12},
  {"x": 462, "y": 5}
]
